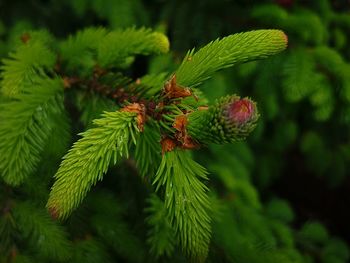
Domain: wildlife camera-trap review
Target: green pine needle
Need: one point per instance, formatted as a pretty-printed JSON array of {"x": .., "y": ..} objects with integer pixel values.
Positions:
[
  {"x": 78, "y": 52},
  {"x": 89, "y": 158},
  {"x": 299, "y": 76},
  {"x": 97, "y": 46},
  {"x": 153, "y": 83},
  {"x": 229, "y": 51},
  {"x": 25, "y": 125},
  {"x": 90, "y": 250},
  {"x": 109, "y": 224},
  {"x": 120, "y": 44},
  {"x": 92, "y": 105},
  {"x": 186, "y": 201},
  {"x": 147, "y": 152},
  {"x": 48, "y": 238},
  {"x": 161, "y": 235},
  {"x": 60, "y": 136},
  {"x": 26, "y": 63},
  {"x": 8, "y": 234}
]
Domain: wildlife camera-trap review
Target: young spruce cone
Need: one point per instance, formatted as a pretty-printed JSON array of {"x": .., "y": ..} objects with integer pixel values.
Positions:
[{"x": 229, "y": 119}]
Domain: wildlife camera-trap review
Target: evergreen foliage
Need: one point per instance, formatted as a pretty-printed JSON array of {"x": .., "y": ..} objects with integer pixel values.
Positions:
[
  {"x": 24, "y": 64},
  {"x": 147, "y": 152},
  {"x": 80, "y": 51},
  {"x": 161, "y": 234},
  {"x": 111, "y": 136},
  {"x": 238, "y": 48},
  {"x": 186, "y": 200},
  {"x": 42, "y": 232},
  {"x": 89, "y": 159},
  {"x": 26, "y": 124},
  {"x": 299, "y": 73},
  {"x": 230, "y": 119},
  {"x": 140, "y": 111},
  {"x": 97, "y": 46},
  {"x": 127, "y": 43},
  {"x": 109, "y": 225}
]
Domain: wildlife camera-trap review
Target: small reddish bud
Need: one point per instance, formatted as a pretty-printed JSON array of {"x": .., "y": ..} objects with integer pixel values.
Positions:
[
  {"x": 241, "y": 111},
  {"x": 167, "y": 145}
]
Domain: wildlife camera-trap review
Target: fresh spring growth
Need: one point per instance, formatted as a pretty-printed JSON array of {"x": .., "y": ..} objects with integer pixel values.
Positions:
[
  {"x": 229, "y": 119},
  {"x": 155, "y": 119}
]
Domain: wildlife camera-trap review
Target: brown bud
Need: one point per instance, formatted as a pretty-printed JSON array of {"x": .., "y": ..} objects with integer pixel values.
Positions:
[
  {"x": 167, "y": 145},
  {"x": 140, "y": 109},
  {"x": 174, "y": 91}
]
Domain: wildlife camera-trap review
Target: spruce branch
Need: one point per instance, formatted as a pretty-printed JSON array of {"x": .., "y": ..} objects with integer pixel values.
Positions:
[
  {"x": 109, "y": 224},
  {"x": 331, "y": 61},
  {"x": 161, "y": 236},
  {"x": 119, "y": 45},
  {"x": 97, "y": 46},
  {"x": 90, "y": 250},
  {"x": 92, "y": 105},
  {"x": 49, "y": 239},
  {"x": 153, "y": 83},
  {"x": 8, "y": 230},
  {"x": 300, "y": 78},
  {"x": 25, "y": 125},
  {"x": 78, "y": 52},
  {"x": 186, "y": 201},
  {"x": 175, "y": 112},
  {"x": 147, "y": 151},
  {"x": 228, "y": 120},
  {"x": 228, "y": 51},
  {"x": 314, "y": 33},
  {"x": 89, "y": 158},
  {"x": 60, "y": 136},
  {"x": 25, "y": 64}
]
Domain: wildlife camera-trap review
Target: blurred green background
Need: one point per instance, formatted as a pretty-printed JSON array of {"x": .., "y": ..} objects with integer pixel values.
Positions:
[{"x": 283, "y": 194}]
